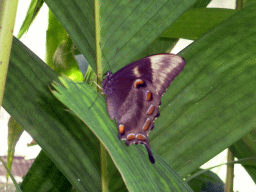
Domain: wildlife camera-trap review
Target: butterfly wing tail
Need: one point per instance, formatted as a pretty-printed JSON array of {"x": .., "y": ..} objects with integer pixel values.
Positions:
[{"x": 150, "y": 155}]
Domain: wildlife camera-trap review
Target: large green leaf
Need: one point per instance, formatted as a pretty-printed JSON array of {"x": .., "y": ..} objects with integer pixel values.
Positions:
[
  {"x": 194, "y": 23},
  {"x": 44, "y": 175},
  {"x": 126, "y": 27},
  {"x": 211, "y": 104},
  {"x": 65, "y": 138}
]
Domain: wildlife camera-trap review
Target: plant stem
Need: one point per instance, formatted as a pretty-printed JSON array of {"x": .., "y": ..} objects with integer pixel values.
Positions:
[
  {"x": 103, "y": 152},
  {"x": 8, "y": 9},
  {"x": 230, "y": 173}
]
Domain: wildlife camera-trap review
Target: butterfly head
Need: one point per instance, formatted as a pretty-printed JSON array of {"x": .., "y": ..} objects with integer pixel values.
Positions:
[{"x": 107, "y": 79}]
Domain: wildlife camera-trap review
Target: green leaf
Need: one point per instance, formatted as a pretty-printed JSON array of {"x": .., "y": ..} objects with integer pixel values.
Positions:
[
  {"x": 65, "y": 138},
  {"x": 115, "y": 180},
  {"x": 44, "y": 175},
  {"x": 210, "y": 105},
  {"x": 64, "y": 62},
  {"x": 194, "y": 23},
  {"x": 206, "y": 179},
  {"x": 77, "y": 17},
  {"x": 14, "y": 133},
  {"x": 55, "y": 35},
  {"x": 60, "y": 51},
  {"x": 166, "y": 42},
  {"x": 160, "y": 45},
  {"x": 126, "y": 27},
  {"x": 33, "y": 10},
  {"x": 244, "y": 3}
]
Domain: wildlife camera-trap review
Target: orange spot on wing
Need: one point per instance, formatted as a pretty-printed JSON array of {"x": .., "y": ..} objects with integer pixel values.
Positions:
[
  {"x": 148, "y": 96},
  {"x": 146, "y": 125},
  {"x": 141, "y": 137},
  {"x": 121, "y": 129},
  {"x": 150, "y": 110},
  {"x": 138, "y": 82},
  {"x": 130, "y": 137}
]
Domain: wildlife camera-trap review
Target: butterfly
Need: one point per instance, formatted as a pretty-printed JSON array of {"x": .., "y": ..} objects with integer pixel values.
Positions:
[{"x": 133, "y": 95}]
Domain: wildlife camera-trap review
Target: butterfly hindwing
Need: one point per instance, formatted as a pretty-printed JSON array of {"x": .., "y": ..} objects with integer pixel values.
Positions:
[{"x": 134, "y": 95}]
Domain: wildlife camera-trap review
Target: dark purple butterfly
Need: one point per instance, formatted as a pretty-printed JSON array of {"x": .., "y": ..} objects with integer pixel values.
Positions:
[{"x": 134, "y": 95}]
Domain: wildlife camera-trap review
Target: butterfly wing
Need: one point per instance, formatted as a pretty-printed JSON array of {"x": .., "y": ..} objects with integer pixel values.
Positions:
[{"x": 134, "y": 95}]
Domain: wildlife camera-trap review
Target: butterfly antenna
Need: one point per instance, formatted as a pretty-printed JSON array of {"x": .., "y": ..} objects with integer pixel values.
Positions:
[
  {"x": 150, "y": 155},
  {"x": 97, "y": 85}
]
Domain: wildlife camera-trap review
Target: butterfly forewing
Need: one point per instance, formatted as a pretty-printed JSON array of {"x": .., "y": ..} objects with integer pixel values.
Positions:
[{"x": 134, "y": 95}]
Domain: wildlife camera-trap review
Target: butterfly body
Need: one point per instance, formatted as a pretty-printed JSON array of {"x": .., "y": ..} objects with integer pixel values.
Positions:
[{"x": 134, "y": 94}]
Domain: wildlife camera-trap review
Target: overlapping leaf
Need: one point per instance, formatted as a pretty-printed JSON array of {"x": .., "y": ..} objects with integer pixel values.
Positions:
[
  {"x": 127, "y": 27},
  {"x": 64, "y": 137}
]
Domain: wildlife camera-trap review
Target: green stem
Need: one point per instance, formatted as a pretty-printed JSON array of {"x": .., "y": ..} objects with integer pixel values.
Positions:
[
  {"x": 230, "y": 172},
  {"x": 8, "y": 9},
  {"x": 97, "y": 41},
  {"x": 103, "y": 152}
]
